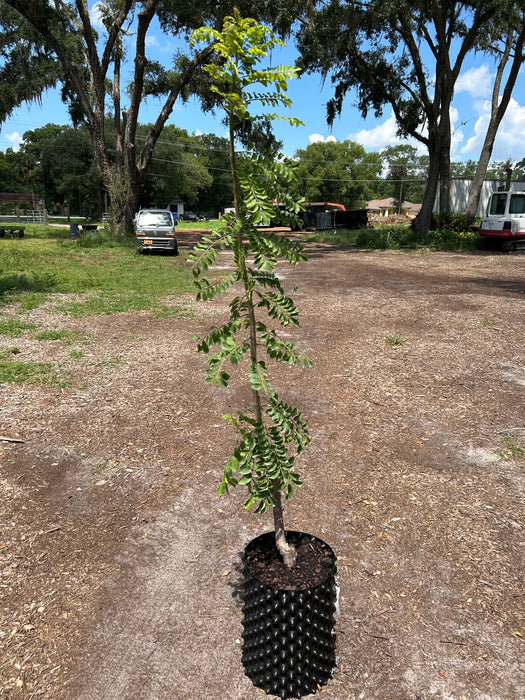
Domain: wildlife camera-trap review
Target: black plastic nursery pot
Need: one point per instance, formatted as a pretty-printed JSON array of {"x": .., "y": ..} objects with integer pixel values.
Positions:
[{"x": 289, "y": 637}]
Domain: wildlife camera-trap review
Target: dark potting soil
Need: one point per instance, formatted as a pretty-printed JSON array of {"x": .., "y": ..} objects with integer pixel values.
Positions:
[{"x": 315, "y": 562}]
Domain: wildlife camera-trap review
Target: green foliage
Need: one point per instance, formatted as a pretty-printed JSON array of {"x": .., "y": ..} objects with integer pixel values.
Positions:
[
  {"x": 407, "y": 173},
  {"x": 449, "y": 222},
  {"x": 179, "y": 165},
  {"x": 399, "y": 236},
  {"x": 341, "y": 172},
  {"x": 14, "y": 327},
  {"x": 28, "y": 66},
  {"x": 262, "y": 460},
  {"x": 273, "y": 432},
  {"x": 452, "y": 240},
  {"x": 395, "y": 339},
  {"x": 511, "y": 449},
  {"x": 70, "y": 336},
  {"x": 386, "y": 237}
]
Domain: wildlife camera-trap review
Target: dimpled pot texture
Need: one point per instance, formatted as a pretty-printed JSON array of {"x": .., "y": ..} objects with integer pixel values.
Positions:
[{"x": 289, "y": 637}]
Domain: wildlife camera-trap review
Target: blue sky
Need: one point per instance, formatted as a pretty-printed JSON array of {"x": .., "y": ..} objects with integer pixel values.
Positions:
[{"x": 469, "y": 114}]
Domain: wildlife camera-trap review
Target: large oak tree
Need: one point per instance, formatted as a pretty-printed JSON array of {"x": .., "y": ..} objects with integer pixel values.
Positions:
[
  {"x": 90, "y": 69},
  {"x": 404, "y": 54}
]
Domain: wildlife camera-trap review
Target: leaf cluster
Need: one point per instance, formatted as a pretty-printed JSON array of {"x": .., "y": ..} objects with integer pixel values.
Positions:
[
  {"x": 262, "y": 459},
  {"x": 273, "y": 432}
]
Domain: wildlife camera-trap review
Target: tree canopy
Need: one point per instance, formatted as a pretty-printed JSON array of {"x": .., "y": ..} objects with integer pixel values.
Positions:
[
  {"x": 404, "y": 54},
  {"x": 341, "y": 172},
  {"x": 90, "y": 71}
]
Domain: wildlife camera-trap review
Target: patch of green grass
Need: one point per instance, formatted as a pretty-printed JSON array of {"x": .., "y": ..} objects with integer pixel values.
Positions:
[
  {"x": 6, "y": 353},
  {"x": 76, "y": 354},
  {"x": 343, "y": 237},
  {"x": 511, "y": 449},
  {"x": 386, "y": 237},
  {"x": 395, "y": 340},
  {"x": 200, "y": 225},
  {"x": 98, "y": 264},
  {"x": 107, "y": 303},
  {"x": 169, "y": 313},
  {"x": 14, "y": 327},
  {"x": 14, "y": 372},
  {"x": 27, "y": 301},
  {"x": 70, "y": 336}
]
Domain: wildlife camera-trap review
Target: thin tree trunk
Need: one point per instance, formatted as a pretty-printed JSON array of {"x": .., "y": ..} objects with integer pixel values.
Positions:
[
  {"x": 286, "y": 550},
  {"x": 498, "y": 109}
]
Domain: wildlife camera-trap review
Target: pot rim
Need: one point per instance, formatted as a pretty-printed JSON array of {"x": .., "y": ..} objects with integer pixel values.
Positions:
[{"x": 294, "y": 535}]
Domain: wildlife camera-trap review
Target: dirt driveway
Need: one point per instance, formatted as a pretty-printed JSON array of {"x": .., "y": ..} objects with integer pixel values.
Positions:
[{"x": 120, "y": 568}]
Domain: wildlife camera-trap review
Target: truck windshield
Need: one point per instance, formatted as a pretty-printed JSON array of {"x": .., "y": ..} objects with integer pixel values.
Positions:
[
  {"x": 498, "y": 202},
  {"x": 517, "y": 204},
  {"x": 154, "y": 218}
]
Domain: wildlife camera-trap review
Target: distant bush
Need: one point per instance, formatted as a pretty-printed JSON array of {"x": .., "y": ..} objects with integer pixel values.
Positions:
[
  {"x": 386, "y": 237},
  {"x": 399, "y": 236},
  {"x": 449, "y": 222},
  {"x": 452, "y": 240}
]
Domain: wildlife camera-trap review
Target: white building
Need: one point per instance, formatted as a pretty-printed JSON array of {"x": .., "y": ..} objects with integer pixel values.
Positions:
[{"x": 460, "y": 188}]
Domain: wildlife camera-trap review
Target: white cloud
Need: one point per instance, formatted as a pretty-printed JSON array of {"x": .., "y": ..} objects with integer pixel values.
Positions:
[
  {"x": 151, "y": 40},
  {"x": 315, "y": 138},
  {"x": 15, "y": 139},
  {"x": 457, "y": 134},
  {"x": 476, "y": 81},
  {"x": 381, "y": 135},
  {"x": 96, "y": 17},
  {"x": 511, "y": 133},
  {"x": 384, "y": 135}
]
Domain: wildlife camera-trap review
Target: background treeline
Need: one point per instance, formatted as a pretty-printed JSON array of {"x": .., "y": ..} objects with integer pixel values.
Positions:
[{"x": 56, "y": 163}]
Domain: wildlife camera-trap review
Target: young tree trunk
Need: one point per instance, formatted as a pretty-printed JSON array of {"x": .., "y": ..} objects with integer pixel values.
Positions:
[{"x": 287, "y": 551}]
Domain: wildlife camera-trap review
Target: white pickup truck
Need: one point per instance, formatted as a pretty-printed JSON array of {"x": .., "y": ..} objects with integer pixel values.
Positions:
[{"x": 155, "y": 230}]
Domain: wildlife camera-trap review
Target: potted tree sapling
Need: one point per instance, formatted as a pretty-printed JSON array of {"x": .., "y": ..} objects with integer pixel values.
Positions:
[{"x": 289, "y": 591}]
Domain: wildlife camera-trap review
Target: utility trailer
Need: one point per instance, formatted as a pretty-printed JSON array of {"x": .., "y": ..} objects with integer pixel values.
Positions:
[
  {"x": 320, "y": 216},
  {"x": 505, "y": 219}
]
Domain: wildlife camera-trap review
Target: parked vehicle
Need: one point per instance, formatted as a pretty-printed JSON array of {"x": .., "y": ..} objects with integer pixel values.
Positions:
[
  {"x": 505, "y": 219},
  {"x": 189, "y": 216},
  {"x": 155, "y": 230}
]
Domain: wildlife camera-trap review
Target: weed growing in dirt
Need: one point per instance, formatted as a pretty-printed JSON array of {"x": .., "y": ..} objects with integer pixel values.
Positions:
[
  {"x": 511, "y": 449},
  {"x": 395, "y": 340}
]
